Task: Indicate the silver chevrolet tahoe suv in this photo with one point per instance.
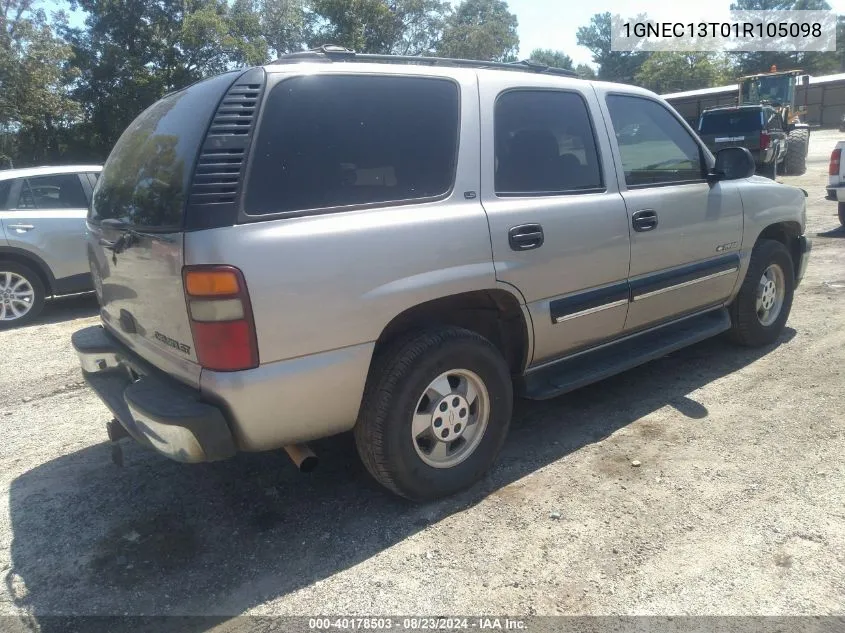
(396, 247)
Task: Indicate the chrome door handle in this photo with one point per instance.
(20, 227)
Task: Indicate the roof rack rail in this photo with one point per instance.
(333, 53)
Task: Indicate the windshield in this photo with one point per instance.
(731, 122)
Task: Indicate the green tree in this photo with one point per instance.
(812, 62)
(613, 65)
(131, 52)
(762, 5)
(480, 29)
(665, 72)
(585, 72)
(549, 57)
(402, 27)
(365, 26)
(36, 109)
(284, 25)
(422, 23)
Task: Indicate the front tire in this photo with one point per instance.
(761, 308)
(435, 413)
(21, 294)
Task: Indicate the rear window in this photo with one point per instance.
(146, 177)
(5, 188)
(544, 144)
(332, 141)
(731, 122)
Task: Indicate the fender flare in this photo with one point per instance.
(30, 259)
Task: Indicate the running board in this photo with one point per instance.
(572, 373)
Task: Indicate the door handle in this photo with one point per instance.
(644, 220)
(525, 237)
(20, 227)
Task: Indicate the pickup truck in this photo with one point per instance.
(836, 180)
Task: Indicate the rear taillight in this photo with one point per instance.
(765, 139)
(835, 158)
(221, 317)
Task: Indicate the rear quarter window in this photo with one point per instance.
(5, 189)
(334, 141)
(147, 175)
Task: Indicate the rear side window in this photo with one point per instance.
(655, 148)
(58, 191)
(146, 177)
(731, 122)
(331, 141)
(544, 144)
(5, 188)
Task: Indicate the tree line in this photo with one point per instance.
(67, 92)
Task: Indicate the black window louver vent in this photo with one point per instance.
(219, 170)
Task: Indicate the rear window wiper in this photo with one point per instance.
(126, 239)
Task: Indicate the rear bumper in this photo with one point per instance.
(154, 409)
(266, 408)
(836, 194)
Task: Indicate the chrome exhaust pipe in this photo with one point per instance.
(302, 456)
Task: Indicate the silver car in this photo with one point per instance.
(42, 237)
(340, 242)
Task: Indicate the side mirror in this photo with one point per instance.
(733, 163)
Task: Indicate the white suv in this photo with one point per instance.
(42, 237)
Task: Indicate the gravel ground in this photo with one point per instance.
(736, 506)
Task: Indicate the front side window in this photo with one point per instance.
(544, 144)
(332, 141)
(660, 151)
(58, 191)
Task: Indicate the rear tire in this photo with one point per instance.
(797, 147)
(842, 213)
(761, 308)
(21, 294)
(406, 413)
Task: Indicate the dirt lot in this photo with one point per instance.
(737, 507)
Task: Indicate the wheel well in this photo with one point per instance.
(786, 233)
(494, 314)
(33, 262)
